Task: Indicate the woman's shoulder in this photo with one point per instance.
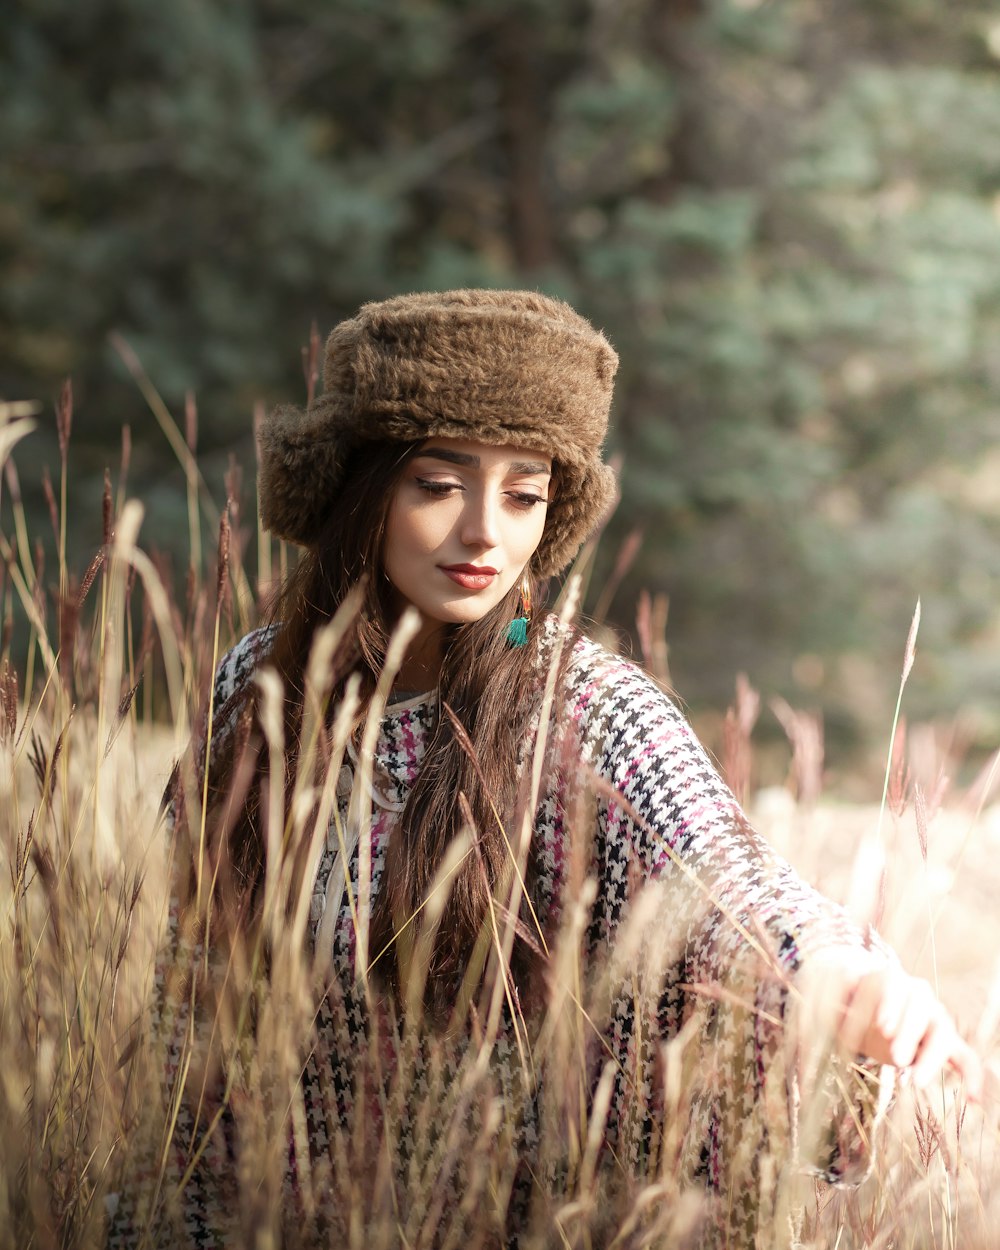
(603, 688)
(618, 719)
(237, 667)
(606, 673)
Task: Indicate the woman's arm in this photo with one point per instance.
(682, 823)
(749, 944)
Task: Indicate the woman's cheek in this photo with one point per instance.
(537, 531)
(422, 527)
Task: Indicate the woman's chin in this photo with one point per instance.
(466, 613)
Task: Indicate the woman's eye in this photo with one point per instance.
(522, 499)
(437, 488)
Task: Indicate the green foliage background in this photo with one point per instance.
(786, 216)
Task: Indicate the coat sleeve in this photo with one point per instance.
(707, 929)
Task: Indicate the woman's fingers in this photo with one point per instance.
(920, 1016)
(967, 1063)
(934, 1052)
(893, 1018)
(893, 991)
(862, 1003)
(942, 1048)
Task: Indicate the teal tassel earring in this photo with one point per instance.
(517, 630)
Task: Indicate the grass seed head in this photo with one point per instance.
(64, 416)
(50, 499)
(8, 702)
(190, 422)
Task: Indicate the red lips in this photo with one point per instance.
(470, 576)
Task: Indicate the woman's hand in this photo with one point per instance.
(881, 1012)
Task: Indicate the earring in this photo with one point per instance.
(517, 630)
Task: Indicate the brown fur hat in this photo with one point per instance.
(493, 366)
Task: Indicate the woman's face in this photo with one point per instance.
(463, 522)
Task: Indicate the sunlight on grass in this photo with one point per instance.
(128, 1058)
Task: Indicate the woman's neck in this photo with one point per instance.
(421, 666)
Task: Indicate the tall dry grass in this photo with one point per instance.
(105, 991)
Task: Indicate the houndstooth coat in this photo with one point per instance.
(686, 934)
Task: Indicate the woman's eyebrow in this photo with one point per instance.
(464, 458)
(452, 457)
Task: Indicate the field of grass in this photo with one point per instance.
(116, 676)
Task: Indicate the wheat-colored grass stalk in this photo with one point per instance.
(435, 1151)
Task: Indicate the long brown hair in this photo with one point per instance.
(491, 689)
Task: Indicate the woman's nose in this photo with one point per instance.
(480, 521)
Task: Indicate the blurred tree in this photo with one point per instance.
(785, 217)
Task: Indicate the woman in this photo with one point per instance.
(530, 785)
